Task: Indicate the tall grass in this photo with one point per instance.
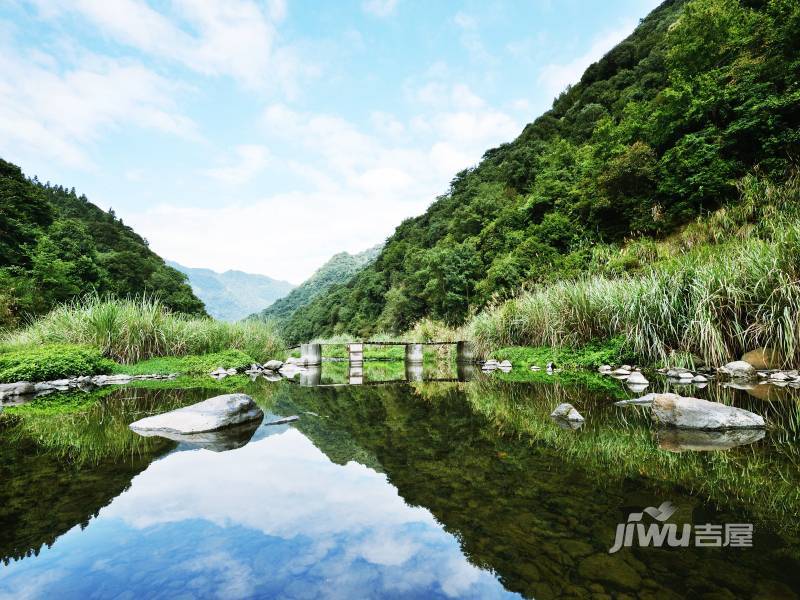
(132, 330)
(725, 288)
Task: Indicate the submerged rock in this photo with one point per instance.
(673, 410)
(738, 369)
(609, 569)
(698, 440)
(209, 415)
(284, 420)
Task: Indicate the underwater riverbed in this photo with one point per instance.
(419, 489)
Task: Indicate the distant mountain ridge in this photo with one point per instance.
(233, 295)
(337, 270)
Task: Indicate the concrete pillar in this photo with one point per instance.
(465, 353)
(355, 374)
(311, 354)
(356, 353)
(413, 371)
(311, 377)
(413, 354)
(465, 371)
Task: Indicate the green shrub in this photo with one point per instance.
(189, 365)
(52, 362)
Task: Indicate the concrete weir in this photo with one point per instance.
(311, 354)
(413, 354)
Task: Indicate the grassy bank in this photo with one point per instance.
(129, 331)
(726, 284)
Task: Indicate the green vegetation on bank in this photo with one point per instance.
(655, 134)
(589, 356)
(201, 364)
(722, 286)
(42, 363)
(56, 246)
(129, 331)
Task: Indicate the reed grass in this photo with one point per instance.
(132, 330)
(729, 283)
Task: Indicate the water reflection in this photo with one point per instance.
(273, 518)
(425, 489)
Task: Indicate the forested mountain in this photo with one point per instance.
(338, 270)
(56, 245)
(654, 134)
(233, 295)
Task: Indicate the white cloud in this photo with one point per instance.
(555, 77)
(236, 38)
(379, 8)
(354, 186)
(55, 114)
(250, 160)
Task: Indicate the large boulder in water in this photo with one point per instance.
(672, 410)
(696, 440)
(220, 440)
(212, 414)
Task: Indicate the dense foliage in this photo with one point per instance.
(338, 270)
(233, 295)
(43, 363)
(655, 133)
(56, 245)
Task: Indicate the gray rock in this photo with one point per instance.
(566, 412)
(698, 440)
(700, 379)
(209, 415)
(738, 369)
(604, 369)
(536, 368)
(672, 410)
(677, 372)
(505, 364)
(20, 388)
(621, 371)
(219, 371)
(646, 400)
(637, 378)
(779, 376)
(274, 365)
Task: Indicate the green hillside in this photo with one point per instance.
(338, 270)
(655, 134)
(56, 246)
(233, 295)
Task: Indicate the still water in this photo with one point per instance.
(407, 490)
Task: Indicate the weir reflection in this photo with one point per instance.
(381, 373)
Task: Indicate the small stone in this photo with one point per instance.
(273, 365)
(622, 371)
(536, 368)
(506, 364)
(605, 369)
(699, 379)
(779, 376)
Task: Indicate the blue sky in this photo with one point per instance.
(268, 135)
